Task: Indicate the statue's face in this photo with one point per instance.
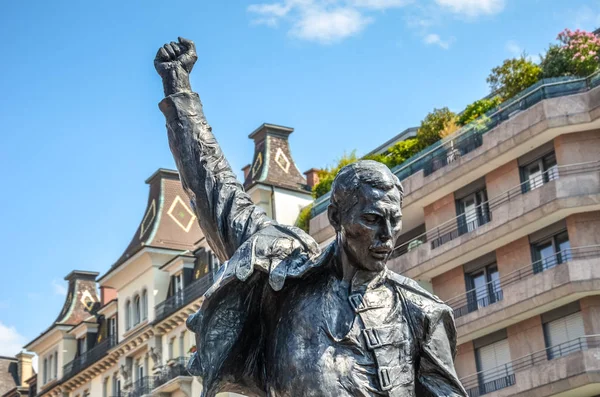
(370, 228)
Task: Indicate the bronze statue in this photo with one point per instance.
(283, 318)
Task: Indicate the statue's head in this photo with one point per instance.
(365, 211)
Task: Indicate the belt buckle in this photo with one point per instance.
(356, 301)
(384, 378)
(372, 338)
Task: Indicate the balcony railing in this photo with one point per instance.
(470, 136)
(172, 371)
(491, 292)
(481, 214)
(488, 381)
(89, 357)
(141, 387)
(182, 298)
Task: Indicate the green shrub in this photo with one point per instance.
(513, 76)
(478, 109)
(556, 63)
(432, 126)
(303, 220)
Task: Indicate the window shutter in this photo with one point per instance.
(566, 329)
(493, 356)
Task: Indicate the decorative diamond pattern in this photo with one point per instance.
(148, 219)
(181, 214)
(257, 163)
(282, 160)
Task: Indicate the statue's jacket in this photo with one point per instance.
(293, 327)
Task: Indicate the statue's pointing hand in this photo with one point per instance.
(278, 250)
(174, 62)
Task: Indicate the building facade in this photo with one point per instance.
(501, 222)
(504, 225)
(123, 333)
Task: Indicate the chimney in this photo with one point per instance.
(246, 170)
(25, 368)
(107, 294)
(312, 177)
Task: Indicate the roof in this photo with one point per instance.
(168, 221)
(272, 163)
(9, 374)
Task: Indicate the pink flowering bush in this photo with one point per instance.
(577, 54)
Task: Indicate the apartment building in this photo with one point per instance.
(123, 333)
(503, 223)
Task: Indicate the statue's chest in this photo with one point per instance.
(331, 342)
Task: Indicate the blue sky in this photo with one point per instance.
(81, 129)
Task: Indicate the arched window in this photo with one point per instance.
(144, 305)
(127, 314)
(136, 310)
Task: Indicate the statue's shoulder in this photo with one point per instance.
(414, 292)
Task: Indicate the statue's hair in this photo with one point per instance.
(350, 178)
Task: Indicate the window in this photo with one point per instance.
(105, 387)
(564, 335)
(140, 371)
(115, 385)
(136, 310)
(539, 172)
(178, 283)
(144, 305)
(127, 315)
(55, 365)
(494, 367)
(181, 345)
(473, 211)
(171, 343)
(112, 326)
(483, 287)
(45, 370)
(551, 251)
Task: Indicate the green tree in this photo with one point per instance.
(432, 125)
(478, 109)
(556, 63)
(327, 176)
(513, 76)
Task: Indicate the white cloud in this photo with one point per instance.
(473, 8)
(322, 21)
(59, 288)
(435, 39)
(329, 26)
(585, 17)
(11, 342)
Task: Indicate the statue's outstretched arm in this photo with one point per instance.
(227, 215)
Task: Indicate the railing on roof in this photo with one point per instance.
(491, 292)
(482, 213)
(171, 371)
(182, 298)
(89, 357)
(469, 137)
(494, 379)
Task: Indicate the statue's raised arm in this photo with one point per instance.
(226, 214)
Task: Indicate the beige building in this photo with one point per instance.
(130, 338)
(504, 225)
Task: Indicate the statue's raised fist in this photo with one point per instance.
(175, 55)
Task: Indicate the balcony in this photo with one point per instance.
(560, 113)
(173, 376)
(141, 387)
(88, 358)
(565, 367)
(528, 291)
(470, 137)
(527, 207)
(184, 297)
